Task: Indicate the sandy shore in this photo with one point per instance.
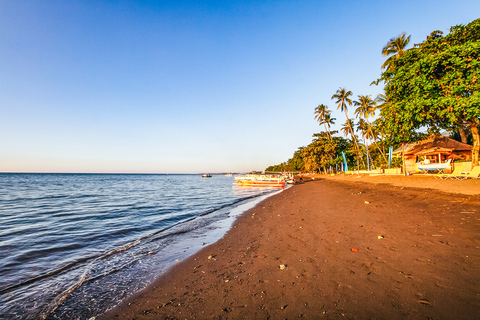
(334, 248)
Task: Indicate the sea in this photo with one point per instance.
(73, 246)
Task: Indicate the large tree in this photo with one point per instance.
(323, 151)
(436, 86)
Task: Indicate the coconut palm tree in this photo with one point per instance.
(329, 121)
(364, 128)
(321, 113)
(395, 48)
(381, 100)
(366, 108)
(347, 128)
(343, 100)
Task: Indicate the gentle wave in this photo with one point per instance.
(65, 238)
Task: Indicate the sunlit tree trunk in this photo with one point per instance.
(463, 133)
(476, 142)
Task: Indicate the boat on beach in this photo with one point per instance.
(260, 180)
(434, 166)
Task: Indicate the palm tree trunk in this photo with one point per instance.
(375, 140)
(327, 131)
(354, 141)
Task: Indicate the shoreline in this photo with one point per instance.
(370, 250)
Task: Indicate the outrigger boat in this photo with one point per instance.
(260, 180)
(434, 166)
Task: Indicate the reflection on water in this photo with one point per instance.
(73, 245)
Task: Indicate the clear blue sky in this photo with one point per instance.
(187, 86)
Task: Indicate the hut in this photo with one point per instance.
(436, 148)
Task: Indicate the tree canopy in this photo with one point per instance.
(435, 86)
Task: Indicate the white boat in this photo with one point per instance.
(260, 180)
(434, 166)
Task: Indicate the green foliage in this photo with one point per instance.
(323, 151)
(296, 162)
(395, 48)
(279, 167)
(435, 85)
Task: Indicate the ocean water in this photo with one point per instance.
(75, 245)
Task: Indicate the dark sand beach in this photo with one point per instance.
(343, 247)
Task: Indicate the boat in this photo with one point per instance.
(206, 175)
(434, 166)
(260, 180)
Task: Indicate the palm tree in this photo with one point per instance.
(364, 128)
(321, 113)
(395, 48)
(381, 100)
(342, 97)
(366, 108)
(329, 121)
(347, 128)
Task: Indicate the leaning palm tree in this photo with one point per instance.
(347, 130)
(329, 121)
(321, 113)
(366, 108)
(381, 101)
(395, 48)
(364, 128)
(343, 100)
(342, 97)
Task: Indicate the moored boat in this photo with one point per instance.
(258, 180)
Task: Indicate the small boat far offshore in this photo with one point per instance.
(259, 180)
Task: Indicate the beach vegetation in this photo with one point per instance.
(343, 101)
(432, 87)
(435, 86)
(394, 49)
(323, 116)
(366, 107)
(322, 154)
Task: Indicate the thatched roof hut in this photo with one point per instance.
(436, 148)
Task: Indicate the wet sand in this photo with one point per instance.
(334, 248)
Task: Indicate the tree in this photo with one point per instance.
(323, 151)
(343, 100)
(395, 49)
(366, 108)
(347, 128)
(321, 114)
(329, 121)
(296, 162)
(435, 86)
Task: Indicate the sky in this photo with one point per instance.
(99, 86)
